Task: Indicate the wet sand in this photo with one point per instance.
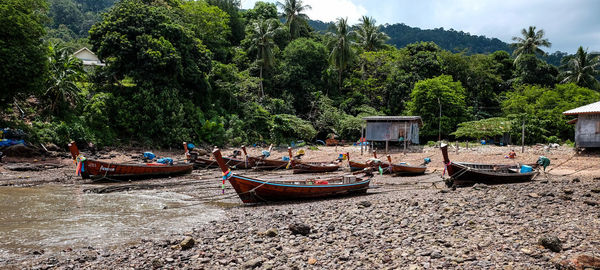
(404, 222)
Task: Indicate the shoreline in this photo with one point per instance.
(406, 223)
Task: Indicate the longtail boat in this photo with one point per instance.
(311, 167)
(90, 168)
(462, 173)
(254, 190)
(357, 166)
(198, 161)
(404, 169)
(262, 163)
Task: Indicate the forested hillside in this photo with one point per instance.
(208, 72)
(452, 40)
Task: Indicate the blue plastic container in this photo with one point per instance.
(526, 169)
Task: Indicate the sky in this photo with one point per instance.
(568, 24)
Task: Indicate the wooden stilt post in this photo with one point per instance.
(386, 146)
(405, 133)
(362, 135)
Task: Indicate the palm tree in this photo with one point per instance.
(581, 69)
(341, 44)
(262, 41)
(292, 10)
(65, 72)
(368, 35)
(530, 43)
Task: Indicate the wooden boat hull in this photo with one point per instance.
(403, 169)
(314, 168)
(467, 174)
(98, 169)
(357, 166)
(253, 190)
(238, 163)
(204, 163)
(269, 164)
(462, 173)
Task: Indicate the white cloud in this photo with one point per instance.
(568, 23)
(330, 10)
(325, 10)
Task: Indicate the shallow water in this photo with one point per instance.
(53, 218)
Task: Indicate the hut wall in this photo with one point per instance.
(392, 131)
(587, 132)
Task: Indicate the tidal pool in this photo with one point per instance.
(52, 218)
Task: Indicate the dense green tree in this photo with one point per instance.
(23, 57)
(66, 72)
(582, 69)
(530, 43)
(261, 11)
(425, 60)
(531, 70)
(264, 31)
(210, 24)
(378, 82)
(341, 48)
(148, 43)
(236, 22)
(96, 5)
(294, 16)
(287, 128)
(145, 42)
(66, 12)
(300, 71)
(429, 95)
(541, 109)
(368, 35)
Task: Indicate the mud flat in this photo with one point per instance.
(406, 223)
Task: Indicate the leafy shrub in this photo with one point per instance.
(288, 127)
(552, 139)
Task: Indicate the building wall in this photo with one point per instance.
(392, 131)
(587, 131)
(86, 55)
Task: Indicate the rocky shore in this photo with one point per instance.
(404, 223)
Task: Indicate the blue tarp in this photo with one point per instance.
(9, 142)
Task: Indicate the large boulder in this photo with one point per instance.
(21, 150)
(551, 242)
(299, 228)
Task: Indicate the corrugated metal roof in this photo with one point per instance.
(391, 118)
(587, 109)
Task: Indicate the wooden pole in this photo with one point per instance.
(386, 146)
(440, 122)
(405, 138)
(362, 135)
(467, 144)
(523, 137)
(457, 147)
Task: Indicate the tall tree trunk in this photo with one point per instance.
(262, 91)
(340, 80)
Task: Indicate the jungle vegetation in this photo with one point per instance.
(206, 71)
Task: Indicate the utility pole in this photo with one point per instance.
(440, 122)
(523, 137)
